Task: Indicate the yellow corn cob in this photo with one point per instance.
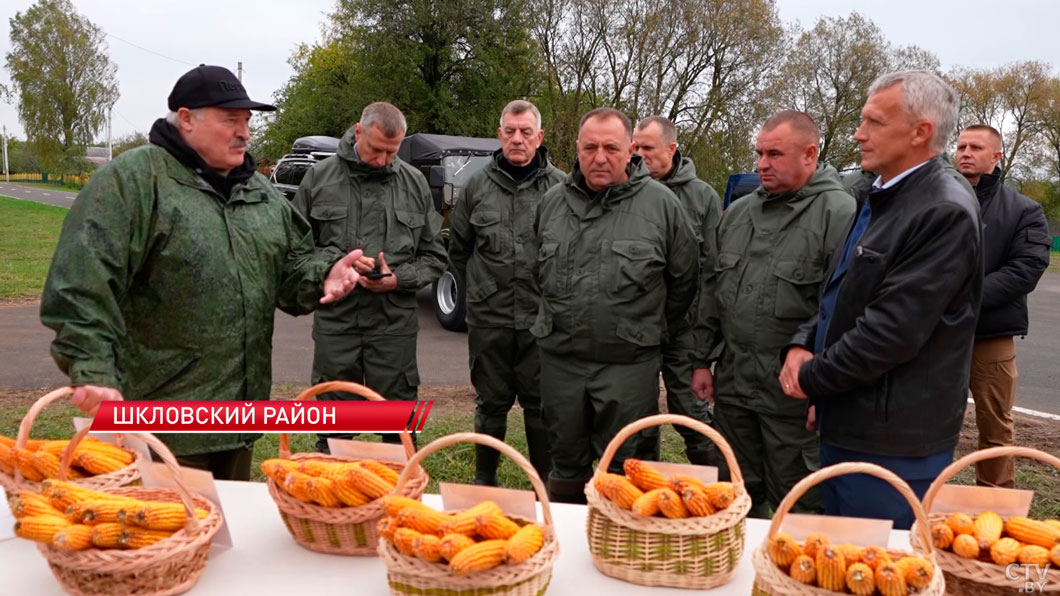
(478, 557)
(315, 467)
(7, 460)
(1032, 554)
(617, 489)
(783, 549)
(277, 469)
(803, 570)
(696, 501)
(965, 545)
(55, 448)
(348, 494)
(831, 569)
(675, 480)
(140, 537)
(941, 535)
(48, 465)
(296, 484)
(74, 537)
(25, 503)
(386, 526)
(1055, 523)
(107, 535)
(851, 553)
(525, 543)
(670, 504)
(465, 521)
(815, 542)
(393, 504)
(889, 580)
(99, 463)
(428, 547)
(162, 516)
(7, 441)
(422, 519)
(380, 469)
(1031, 531)
(322, 490)
(861, 580)
(643, 476)
(63, 494)
(368, 482)
(24, 463)
(404, 539)
(960, 523)
(454, 543)
(1003, 552)
(1054, 555)
(987, 528)
(495, 527)
(125, 458)
(41, 528)
(98, 512)
(874, 556)
(336, 471)
(647, 504)
(917, 571)
(721, 494)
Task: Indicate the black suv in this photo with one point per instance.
(291, 168)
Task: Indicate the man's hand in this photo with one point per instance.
(811, 419)
(383, 284)
(88, 397)
(342, 278)
(703, 384)
(789, 374)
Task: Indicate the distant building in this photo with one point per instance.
(96, 155)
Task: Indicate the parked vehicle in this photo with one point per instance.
(305, 152)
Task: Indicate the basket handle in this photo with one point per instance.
(982, 454)
(660, 419)
(488, 441)
(192, 524)
(31, 416)
(842, 469)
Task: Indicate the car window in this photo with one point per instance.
(291, 172)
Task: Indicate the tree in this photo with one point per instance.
(1050, 124)
(126, 142)
(63, 77)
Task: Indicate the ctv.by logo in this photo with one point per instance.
(1033, 576)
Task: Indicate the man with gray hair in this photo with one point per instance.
(493, 248)
(886, 360)
(365, 196)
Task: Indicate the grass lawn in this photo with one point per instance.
(27, 240)
(48, 186)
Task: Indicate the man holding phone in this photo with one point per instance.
(364, 196)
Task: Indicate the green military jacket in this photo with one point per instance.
(164, 289)
(773, 254)
(492, 243)
(615, 271)
(353, 205)
(703, 207)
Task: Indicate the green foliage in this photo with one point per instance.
(27, 242)
(130, 141)
(22, 158)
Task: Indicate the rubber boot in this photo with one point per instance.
(567, 491)
(537, 445)
(703, 456)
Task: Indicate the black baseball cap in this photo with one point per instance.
(215, 86)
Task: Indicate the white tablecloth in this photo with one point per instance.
(266, 560)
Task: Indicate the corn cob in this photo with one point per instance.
(98, 512)
(277, 469)
(368, 482)
(643, 476)
(1055, 523)
(386, 526)
(465, 521)
(428, 547)
(721, 494)
(41, 528)
(696, 501)
(1032, 554)
(107, 535)
(874, 556)
(831, 569)
(55, 448)
(296, 484)
(99, 463)
(814, 542)
(941, 535)
(647, 504)
(454, 543)
(322, 490)
(495, 527)
(63, 494)
(803, 570)
(965, 545)
(889, 580)
(1054, 555)
(960, 523)
(315, 467)
(670, 504)
(393, 504)
(73, 537)
(478, 557)
(422, 519)
(861, 580)
(162, 516)
(140, 537)
(345, 491)
(851, 553)
(1005, 551)
(380, 469)
(617, 489)
(31, 444)
(7, 441)
(48, 465)
(25, 503)
(24, 463)
(917, 571)
(987, 528)
(109, 451)
(404, 539)
(1030, 531)
(783, 550)
(524, 544)
(7, 460)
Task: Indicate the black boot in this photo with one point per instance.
(537, 445)
(703, 456)
(566, 491)
(486, 461)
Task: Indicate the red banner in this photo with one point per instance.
(261, 416)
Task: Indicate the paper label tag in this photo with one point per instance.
(707, 474)
(128, 441)
(1006, 502)
(840, 530)
(197, 481)
(367, 450)
(518, 503)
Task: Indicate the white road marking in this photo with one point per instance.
(1028, 412)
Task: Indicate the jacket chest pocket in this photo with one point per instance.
(549, 273)
(403, 235)
(635, 267)
(329, 224)
(728, 278)
(491, 237)
(798, 284)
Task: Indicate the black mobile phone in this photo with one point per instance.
(376, 274)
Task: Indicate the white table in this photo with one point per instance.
(266, 560)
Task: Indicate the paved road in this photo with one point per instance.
(59, 198)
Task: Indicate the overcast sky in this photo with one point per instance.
(173, 37)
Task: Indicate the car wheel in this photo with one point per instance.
(450, 305)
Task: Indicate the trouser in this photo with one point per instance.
(233, 464)
(860, 495)
(993, 382)
(505, 366)
(773, 452)
(384, 363)
(585, 404)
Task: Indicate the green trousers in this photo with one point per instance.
(384, 363)
(232, 464)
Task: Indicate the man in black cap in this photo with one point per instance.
(171, 264)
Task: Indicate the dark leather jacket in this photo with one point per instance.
(893, 376)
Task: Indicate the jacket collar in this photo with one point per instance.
(495, 171)
(194, 171)
(988, 185)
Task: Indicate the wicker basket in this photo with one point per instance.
(696, 552)
(771, 580)
(170, 566)
(128, 475)
(972, 576)
(412, 576)
(338, 530)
